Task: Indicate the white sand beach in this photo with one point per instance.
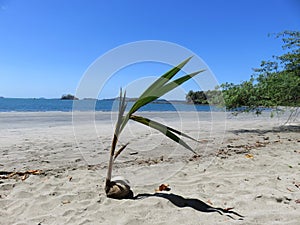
(248, 171)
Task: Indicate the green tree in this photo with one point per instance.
(197, 97)
(275, 83)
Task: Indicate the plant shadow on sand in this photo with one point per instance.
(194, 203)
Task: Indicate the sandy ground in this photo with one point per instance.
(248, 163)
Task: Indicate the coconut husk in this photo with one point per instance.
(118, 189)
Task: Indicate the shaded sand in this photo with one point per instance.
(253, 167)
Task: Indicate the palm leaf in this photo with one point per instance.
(134, 117)
(165, 78)
(120, 150)
(169, 132)
(122, 107)
(159, 88)
(153, 88)
(170, 86)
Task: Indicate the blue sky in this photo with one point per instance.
(46, 46)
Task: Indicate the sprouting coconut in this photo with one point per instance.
(119, 187)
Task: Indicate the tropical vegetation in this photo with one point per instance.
(274, 84)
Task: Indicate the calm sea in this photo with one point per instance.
(43, 105)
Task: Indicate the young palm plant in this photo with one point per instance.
(118, 187)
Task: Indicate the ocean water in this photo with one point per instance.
(44, 105)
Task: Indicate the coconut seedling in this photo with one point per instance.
(119, 187)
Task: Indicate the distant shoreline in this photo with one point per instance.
(94, 99)
(65, 105)
(159, 101)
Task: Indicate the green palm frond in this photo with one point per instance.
(168, 131)
(170, 86)
(159, 88)
(153, 89)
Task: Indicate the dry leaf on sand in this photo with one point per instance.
(249, 156)
(163, 187)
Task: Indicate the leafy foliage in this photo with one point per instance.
(275, 83)
(197, 97)
(212, 97)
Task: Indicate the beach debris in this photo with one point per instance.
(209, 202)
(240, 149)
(23, 175)
(152, 161)
(65, 202)
(297, 201)
(195, 157)
(70, 178)
(249, 156)
(297, 184)
(261, 144)
(258, 196)
(34, 172)
(228, 209)
(284, 199)
(203, 141)
(133, 153)
(163, 187)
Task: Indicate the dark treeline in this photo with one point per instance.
(68, 97)
(203, 97)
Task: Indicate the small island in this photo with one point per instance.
(68, 97)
